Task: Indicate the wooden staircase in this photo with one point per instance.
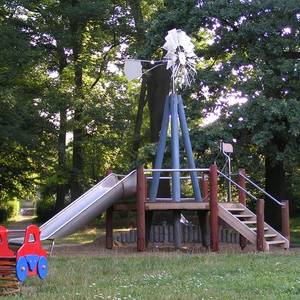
(243, 220)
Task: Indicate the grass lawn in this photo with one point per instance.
(169, 276)
(295, 230)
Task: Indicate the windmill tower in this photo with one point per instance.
(180, 58)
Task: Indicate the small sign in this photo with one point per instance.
(133, 69)
(227, 148)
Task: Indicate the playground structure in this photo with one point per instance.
(210, 211)
(180, 58)
(29, 260)
(109, 194)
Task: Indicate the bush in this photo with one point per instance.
(9, 209)
(3, 214)
(13, 208)
(45, 209)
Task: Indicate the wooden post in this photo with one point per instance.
(203, 216)
(109, 228)
(140, 208)
(109, 224)
(285, 219)
(204, 186)
(204, 227)
(214, 225)
(242, 183)
(242, 200)
(260, 225)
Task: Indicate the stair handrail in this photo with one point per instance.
(237, 185)
(260, 189)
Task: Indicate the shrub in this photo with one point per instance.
(3, 214)
(45, 209)
(9, 209)
(13, 208)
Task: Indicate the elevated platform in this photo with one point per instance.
(184, 204)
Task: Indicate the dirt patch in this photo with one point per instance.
(97, 248)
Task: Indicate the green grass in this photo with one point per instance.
(295, 231)
(172, 276)
(84, 236)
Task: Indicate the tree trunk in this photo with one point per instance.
(275, 186)
(61, 185)
(138, 122)
(77, 27)
(136, 11)
(158, 88)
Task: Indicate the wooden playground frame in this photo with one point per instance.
(207, 210)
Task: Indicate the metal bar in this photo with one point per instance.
(229, 175)
(249, 194)
(188, 149)
(170, 199)
(160, 149)
(175, 147)
(261, 190)
(52, 248)
(169, 177)
(176, 170)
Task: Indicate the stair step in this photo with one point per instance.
(270, 235)
(237, 209)
(276, 242)
(249, 222)
(243, 216)
(254, 228)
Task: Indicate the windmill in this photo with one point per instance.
(180, 58)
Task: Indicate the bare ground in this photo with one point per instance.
(97, 248)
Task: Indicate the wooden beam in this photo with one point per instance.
(109, 223)
(204, 186)
(176, 206)
(109, 228)
(204, 227)
(260, 216)
(242, 200)
(124, 206)
(285, 220)
(141, 197)
(214, 223)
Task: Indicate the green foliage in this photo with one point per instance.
(45, 209)
(9, 209)
(60, 71)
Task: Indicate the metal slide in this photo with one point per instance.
(88, 206)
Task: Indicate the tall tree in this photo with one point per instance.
(253, 52)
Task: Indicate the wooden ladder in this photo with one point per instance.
(243, 220)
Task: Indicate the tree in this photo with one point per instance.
(253, 52)
(22, 129)
(77, 39)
